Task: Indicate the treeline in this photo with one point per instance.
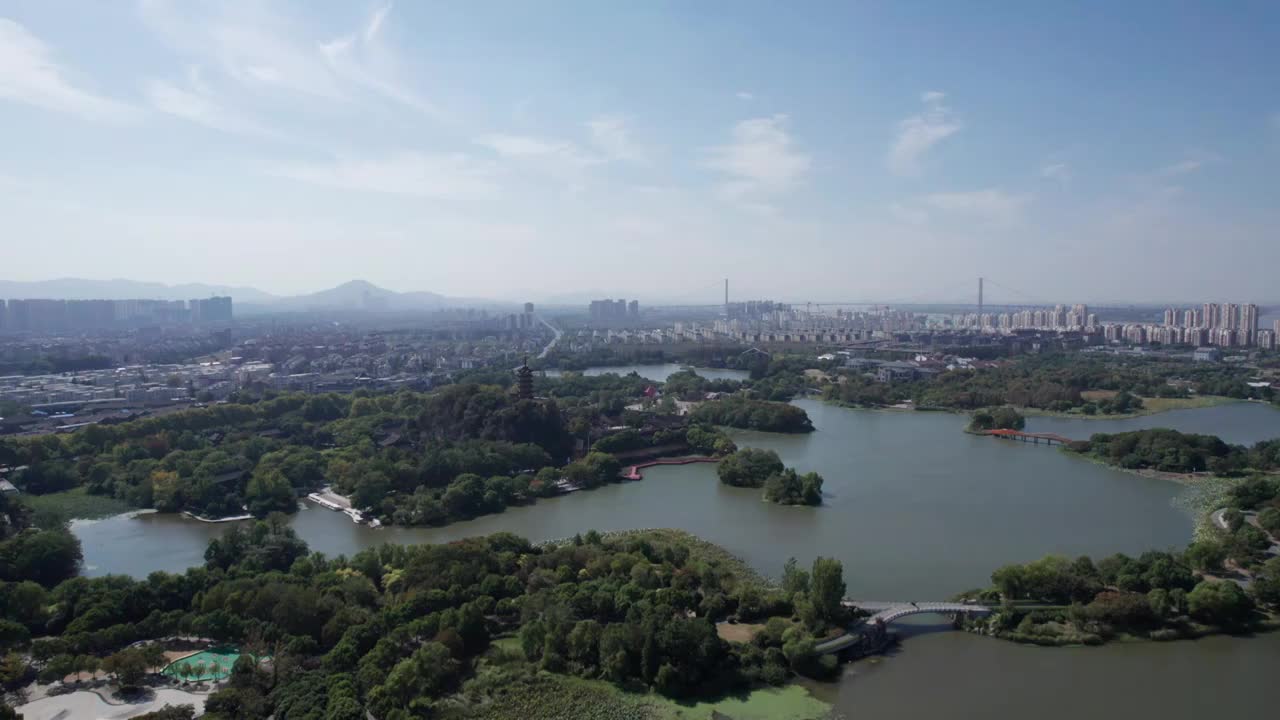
(1173, 451)
(755, 468)
(1157, 595)
(705, 439)
(748, 414)
(1054, 382)
(408, 631)
(400, 454)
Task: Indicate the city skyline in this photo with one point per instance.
(511, 151)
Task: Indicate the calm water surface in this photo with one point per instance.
(916, 510)
(1242, 423)
(954, 675)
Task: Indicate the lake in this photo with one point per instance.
(916, 510)
(1242, 423)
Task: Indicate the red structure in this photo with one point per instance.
(633, 472)
(1049, 438)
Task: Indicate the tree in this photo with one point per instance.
(269, 492)
(1219, 602)
(1206, 555)
(43, 556)
(1269, 520)
(788, 488)
(429, 671)
(828, 589)
(584, 643)
(794, 578)
(999, 418)
(749, 467)
(129, 666)
(1266, 584)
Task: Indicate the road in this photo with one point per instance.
(554, 340)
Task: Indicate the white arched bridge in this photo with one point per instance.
(883, 613)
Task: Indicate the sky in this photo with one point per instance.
(844, 151)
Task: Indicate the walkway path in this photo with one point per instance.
(1048, 438)
(633, 472)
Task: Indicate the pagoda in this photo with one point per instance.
(524, 381)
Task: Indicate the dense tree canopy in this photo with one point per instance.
(741, 412)
(1173, 451)
(407, 631)
(749, 467)
(1000, 418)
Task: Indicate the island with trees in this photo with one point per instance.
(998, 418)
(1172, 451)
(750, 414)
(756, 468)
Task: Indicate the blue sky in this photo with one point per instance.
(821, 151)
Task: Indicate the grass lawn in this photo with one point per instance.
(1150, 406)
(76, 505)
(1157, 405)
(740, 632)
(790, 702)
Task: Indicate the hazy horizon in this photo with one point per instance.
(509, 151)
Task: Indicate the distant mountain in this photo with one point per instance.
(354, 295)
(361, 295)
(80, 289)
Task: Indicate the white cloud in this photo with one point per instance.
(521, 145)
(611, 136)
(1182, 167)
(247, 41)
(29, 74)
(1056, 171)
(760, 158)
(920, 132)
(197, 103)
(744, 95)
(375, 22)
(267, 51)
(909, 214)
(368, 63)
(990, 205)
(442, 176)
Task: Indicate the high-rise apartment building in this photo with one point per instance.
(1212, 315)
(1249, 321)
(1231, 316)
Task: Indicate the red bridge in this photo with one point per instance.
(633, 472)
(1049, 438)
